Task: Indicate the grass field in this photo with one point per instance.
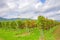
(20, 34)
(28, 34)
(53, 33)
(40, 29)
(56, 33)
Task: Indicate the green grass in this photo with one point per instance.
(10, 34)
(34, 34)
(49, 34)
(56, 33)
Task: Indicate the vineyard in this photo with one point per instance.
(27, 29)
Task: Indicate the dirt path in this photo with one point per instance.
(42, 35)
(57, 33)
(41, 38)
(22, 35)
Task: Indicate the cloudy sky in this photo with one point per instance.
(30, 9)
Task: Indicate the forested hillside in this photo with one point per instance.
(41, 22)
(28, 29)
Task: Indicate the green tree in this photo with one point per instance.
(40, 21)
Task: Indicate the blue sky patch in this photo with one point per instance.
(43, 1)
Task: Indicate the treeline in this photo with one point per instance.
(41, 22)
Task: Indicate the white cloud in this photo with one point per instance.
(50, 8)
(31, 8)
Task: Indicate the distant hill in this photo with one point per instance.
(5, 19)
(2, 19)
(58, 20)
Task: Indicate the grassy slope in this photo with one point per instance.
(34, 34)
(49, 35)
(53, 34)
(20, 34)
(56, 33)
